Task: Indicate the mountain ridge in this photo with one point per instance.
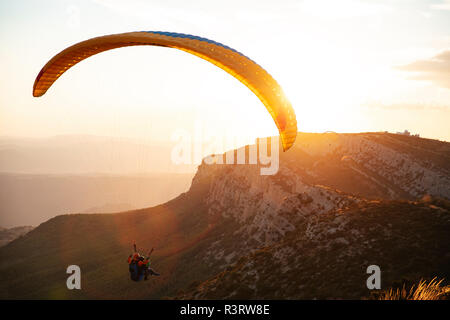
(332, 195)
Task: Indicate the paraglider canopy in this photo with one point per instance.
(235, 63)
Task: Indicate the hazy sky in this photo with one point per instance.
(346, 66)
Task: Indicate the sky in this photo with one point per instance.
(346, 66)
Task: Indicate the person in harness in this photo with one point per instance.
(139, 266)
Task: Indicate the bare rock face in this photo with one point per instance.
(317, 205)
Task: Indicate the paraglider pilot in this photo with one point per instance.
(139, 266)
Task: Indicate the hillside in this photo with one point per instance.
(328, 259)
(100, 244)
(338, 203)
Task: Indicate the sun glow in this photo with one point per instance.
(331, 61)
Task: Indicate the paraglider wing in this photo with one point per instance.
(235, 63)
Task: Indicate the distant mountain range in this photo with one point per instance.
(86, 154)
(50, 195)
(338, 203)
(80, 173)
(8, 235)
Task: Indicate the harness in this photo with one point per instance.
(136, 272)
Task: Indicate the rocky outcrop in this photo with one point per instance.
(331, 197)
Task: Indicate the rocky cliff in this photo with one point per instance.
(338, 203)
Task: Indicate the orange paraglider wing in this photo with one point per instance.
(235, 63)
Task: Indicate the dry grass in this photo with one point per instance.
(432, 290)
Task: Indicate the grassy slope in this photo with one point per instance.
(34, 265)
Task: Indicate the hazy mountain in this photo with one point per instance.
(83, 173)
(339, 203)
(85, 154)
(34, 198)
(8, 235)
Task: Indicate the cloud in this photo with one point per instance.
(435, 69)
(333, 9)
(407, 106)
(159, 13)
(445, 5)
